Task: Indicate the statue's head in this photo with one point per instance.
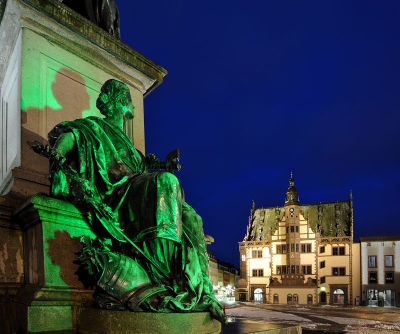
(114, 98)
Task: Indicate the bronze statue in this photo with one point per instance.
(150, 252)
(103, 13)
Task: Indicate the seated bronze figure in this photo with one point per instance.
(150, 252)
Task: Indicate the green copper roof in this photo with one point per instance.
(329, 219)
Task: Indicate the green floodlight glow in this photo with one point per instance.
(149, 242)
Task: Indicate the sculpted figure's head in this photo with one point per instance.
(115, 100)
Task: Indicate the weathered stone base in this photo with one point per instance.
(95, 321)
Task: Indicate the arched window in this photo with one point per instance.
(258, 295)
(276, 299)
(309, 299)
(289, 298)
(295, 298)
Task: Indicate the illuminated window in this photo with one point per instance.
(389, 277)
(388, 260)
(243, 257)
(371, 261)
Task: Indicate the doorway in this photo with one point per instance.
(338, 297)
(258, 295)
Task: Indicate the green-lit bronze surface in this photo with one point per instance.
(149, 253)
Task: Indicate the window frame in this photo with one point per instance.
(389, 256)
(369, 263)
(322, 264)
(371, 273)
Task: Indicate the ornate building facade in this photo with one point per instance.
(300, 254)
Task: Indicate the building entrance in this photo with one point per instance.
(322, 297)
(381, 298)
(258, 295)
(338, 296)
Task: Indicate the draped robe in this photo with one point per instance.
(149, 209)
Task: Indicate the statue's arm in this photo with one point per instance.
(64, 144)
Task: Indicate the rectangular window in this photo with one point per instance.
(254, 272)
(322, 264)
(253, 254)
(309, 268)
(297, 229)
(293, 269)
(341, 251)
(278, 249)
(388, 260)
(372, 277)
(297, 248)
(371, 261)
(322, 249)
(243, 257)
(260, 272)
(323, 280)
(292, 248)
(389, 277)
(278, 270)
(259, 253)
(287, 229)
(303, 248)
(297, 269)
(303, 269)
(283, 249)
(334, 251)
(339, 271)
(283, 270)
(292, 228)
(308, 248)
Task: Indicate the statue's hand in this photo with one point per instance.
(172, 164)
(152, 162)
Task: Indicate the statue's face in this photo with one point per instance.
(127, 107)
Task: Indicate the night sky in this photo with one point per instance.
(256, 89)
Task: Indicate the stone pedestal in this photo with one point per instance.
(92, 321)
(52, 293)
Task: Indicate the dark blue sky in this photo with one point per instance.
(256, 89)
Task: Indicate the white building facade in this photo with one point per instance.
(380, 271)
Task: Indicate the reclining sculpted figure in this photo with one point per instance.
(150, 252)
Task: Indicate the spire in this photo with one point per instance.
(292, 197)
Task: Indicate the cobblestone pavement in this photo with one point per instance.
(250, 318)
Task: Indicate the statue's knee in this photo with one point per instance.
(168, 178)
